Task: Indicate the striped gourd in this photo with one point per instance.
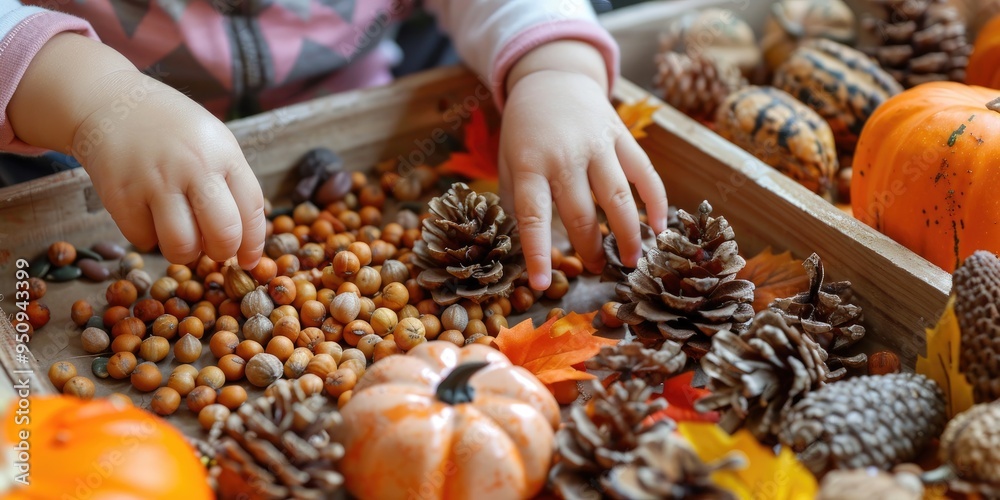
(782, 132)
(842, 84)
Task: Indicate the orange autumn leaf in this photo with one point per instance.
(680, 398)
(637, 115)
(551, 350)
(775, 276)
(482, 149)
(941, 363)
(766, 475)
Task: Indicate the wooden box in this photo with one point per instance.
(900, 292)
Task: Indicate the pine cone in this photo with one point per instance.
(601, 435)
(632, 360)
(755, 376)
(822, 314)
(869, 421)
(694, 84)
(666, 467)
(280, 446)
(685, 289)
(870, 483)
(976, 285)
(615, 270)
(919, 41)
(469, 249)
(970, 448)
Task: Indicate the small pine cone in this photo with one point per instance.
(469, 248)
(823, 314)
(280, 446)
(633, 360)
(755, 376)
(694, 84)
(870, 483)
(615, 270)
(603, 434)
(667, 467)
(869, 421)
(976, 286)
(919, 41)
(970, 450)
(685, 289)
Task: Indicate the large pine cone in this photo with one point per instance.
(685, 289)
(695, 85)
(666, 467)
(469, 249)
(976, 285)
(633, 360)
(823, 314)
(601, 435)
(970, 448)
(869, 421)
(755, 376)
(919, 41)
(280, 446)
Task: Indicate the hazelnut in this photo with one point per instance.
(81, 311)
(165, 401)
(345, 307)
(211, 414)
(256, 302)
(258, 328)
(383, 321)
(200, 397)
(60, 372)
(62, 253)
(78, 386)
(187, 349)
(212, 376)
(409, 333)
(263, 369)
(95, 340)
(232, 397)
(154, 349)
(455, 317)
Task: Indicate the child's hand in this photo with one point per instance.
(171, 173)
(561, 140)
(168, 171)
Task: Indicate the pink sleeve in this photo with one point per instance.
(492, 35)
(23, 32)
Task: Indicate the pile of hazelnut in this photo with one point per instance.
(335, 291)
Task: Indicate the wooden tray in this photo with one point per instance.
(900, 292)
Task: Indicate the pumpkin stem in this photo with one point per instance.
(994, 105)
(455, 388)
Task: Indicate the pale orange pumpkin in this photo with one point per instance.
(983, 69)
(96, 450)
(926, 171)
(448, 422)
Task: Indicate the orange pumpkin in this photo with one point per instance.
(983, 63)
(96, 450)
(448, 422)
(926, 170)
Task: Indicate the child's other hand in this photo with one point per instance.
(171, 173)
(561, 140)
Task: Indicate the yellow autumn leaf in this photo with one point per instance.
(942, 361)
(637, 115)
(775, 477)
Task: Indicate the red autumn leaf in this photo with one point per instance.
(776, 276)
(482, 148)
(551, 350)
(680, 397)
